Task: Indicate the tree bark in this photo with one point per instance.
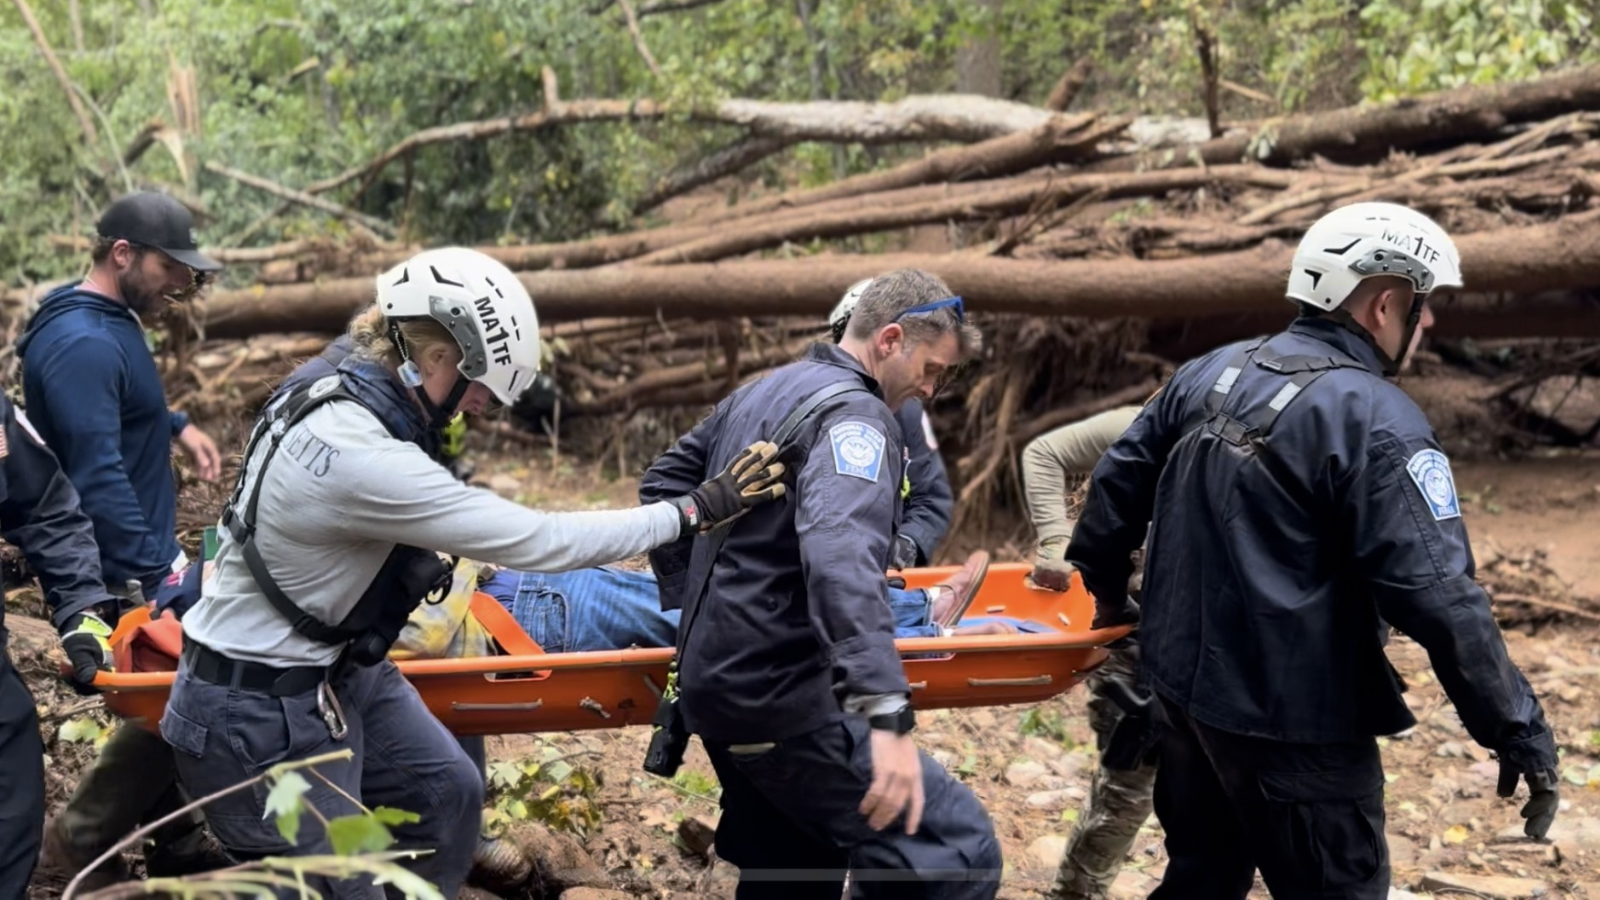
(1368, 133)
(1521, 260)
(1059, 139)
(1004, 199)
(934, 117)
(979, 68)
(735, 157)
(1070, 86)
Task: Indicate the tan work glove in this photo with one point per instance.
(753, 478)
(1051, 571)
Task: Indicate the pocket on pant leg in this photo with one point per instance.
(183, 733)
(1328, 824)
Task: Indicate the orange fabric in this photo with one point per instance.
(502, 627)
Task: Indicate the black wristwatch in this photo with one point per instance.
(898, 722)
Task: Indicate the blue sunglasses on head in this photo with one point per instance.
(935, 306)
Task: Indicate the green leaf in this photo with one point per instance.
(557, 771)
(359, 833)
(1577, 775)
(504, 775)
(81, 730)
(284, 801)
(388, 815)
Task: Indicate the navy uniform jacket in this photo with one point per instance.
(927, 510)
(796, 610)
(39, 515)
(1271, 568)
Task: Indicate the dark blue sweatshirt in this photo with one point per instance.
(92, 390)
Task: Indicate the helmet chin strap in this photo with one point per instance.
(1391, 365)
(439, 414)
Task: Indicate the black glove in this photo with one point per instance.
(1133, 741)
(904, 553)
(1110, 615)
(86, 638)
(1540, 810)
(753, 478)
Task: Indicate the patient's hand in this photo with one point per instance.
(987, 628)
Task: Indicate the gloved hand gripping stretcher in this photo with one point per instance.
(528, 690)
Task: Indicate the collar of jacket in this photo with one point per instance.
(380, 390)
(1340, 338)
(833, 355)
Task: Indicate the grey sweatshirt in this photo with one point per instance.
(341, 493)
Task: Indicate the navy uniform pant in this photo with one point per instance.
(791, 825)
(402, 758)
(21, 781)
(1309, 816)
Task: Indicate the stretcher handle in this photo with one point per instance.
(1035, 681)
(530, 706)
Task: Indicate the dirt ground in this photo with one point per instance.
(1534, 522)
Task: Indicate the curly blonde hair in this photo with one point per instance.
(370, 338)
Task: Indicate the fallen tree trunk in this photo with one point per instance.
(1548, 314)
(1524, 260)
(1003, 199)
(1368, 133)
(1060, 138)
(930, 117)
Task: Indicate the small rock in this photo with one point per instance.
(504, 485)
(1035, 747)
(1571, 694)
(697, 835)
(1402, 851)
(943, 757)
(1053, 800)
(589, 893)
(1542, 854)
(1498, 887)
(1131, 884)
(1046, 852)
(1070, 765)
(1478, 752)
(983, 720)
(1025, 774)
(1451, 749)
(1477, 860)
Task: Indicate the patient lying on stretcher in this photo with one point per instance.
(612, 608)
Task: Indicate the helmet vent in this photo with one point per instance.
(1316, 277)
(405, 275)
(1340, 251)
(441, 279)
(497, 292)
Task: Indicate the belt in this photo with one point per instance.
(209, 665)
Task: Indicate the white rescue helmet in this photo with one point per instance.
(840, 317)
(483, 306)
(1365, 240)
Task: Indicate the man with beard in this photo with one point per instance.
(93, 391)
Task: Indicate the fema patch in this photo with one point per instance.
(1430, 469)
(857, 450)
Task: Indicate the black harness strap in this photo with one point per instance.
(1248, 429)
(277, 423)
(786, 434)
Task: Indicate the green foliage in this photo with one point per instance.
(1414, 47)
(546, 789)
(82, 730)
(1045, 723)
(300, 90)
(286, 801)
(698, 783)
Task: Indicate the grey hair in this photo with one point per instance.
(893, 293)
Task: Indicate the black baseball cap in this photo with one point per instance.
(156, 220)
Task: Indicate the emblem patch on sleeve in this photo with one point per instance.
(857, 450)
(1430, 469)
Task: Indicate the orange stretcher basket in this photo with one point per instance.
(527, 690)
